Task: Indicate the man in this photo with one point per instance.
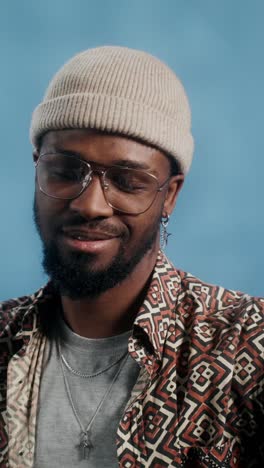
(122, 359)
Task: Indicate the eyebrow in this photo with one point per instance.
(131, 164)
(115, 162)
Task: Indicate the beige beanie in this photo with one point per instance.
(119, 90)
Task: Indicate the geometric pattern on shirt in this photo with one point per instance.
(208, 401)
(198, 400)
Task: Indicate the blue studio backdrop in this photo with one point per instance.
(216, 48)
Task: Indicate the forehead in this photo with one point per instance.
(104, 148)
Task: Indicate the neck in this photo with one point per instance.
(114, 311)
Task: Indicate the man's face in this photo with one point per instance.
(88, 246)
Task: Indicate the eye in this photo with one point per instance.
(58, 168)
(66, 174)
(127, 180)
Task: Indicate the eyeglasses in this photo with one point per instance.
(65, 177)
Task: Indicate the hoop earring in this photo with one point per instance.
(164, 234)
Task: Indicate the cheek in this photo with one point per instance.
(145, 224)
(48, 209)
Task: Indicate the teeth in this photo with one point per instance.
(87, 238)
(81, 238)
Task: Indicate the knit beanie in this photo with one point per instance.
(119, 90)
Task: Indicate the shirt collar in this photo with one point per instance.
(158, 309)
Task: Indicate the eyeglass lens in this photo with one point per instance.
(65, 177)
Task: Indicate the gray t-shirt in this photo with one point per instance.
(58, 431)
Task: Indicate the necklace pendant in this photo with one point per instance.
(85, 446)
(85, 452)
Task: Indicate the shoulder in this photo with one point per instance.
(231, 321)
(212, 302)
(211, 299)
(13, 312)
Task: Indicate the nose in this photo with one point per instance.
(92, 202)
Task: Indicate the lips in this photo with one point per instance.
(91, 234)
(88, 240)
(86, 235)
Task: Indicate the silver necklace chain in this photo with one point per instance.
(89, 376)
(85, 443)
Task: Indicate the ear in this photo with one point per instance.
(35, 155)
(173, 190)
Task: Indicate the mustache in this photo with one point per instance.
(102, 225)
(76, 221)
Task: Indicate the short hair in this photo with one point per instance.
(175, 167)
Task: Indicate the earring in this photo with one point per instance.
(164, 234)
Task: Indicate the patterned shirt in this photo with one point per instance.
(198, 401)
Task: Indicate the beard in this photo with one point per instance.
(73, 276)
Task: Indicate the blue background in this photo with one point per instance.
(216, 47)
